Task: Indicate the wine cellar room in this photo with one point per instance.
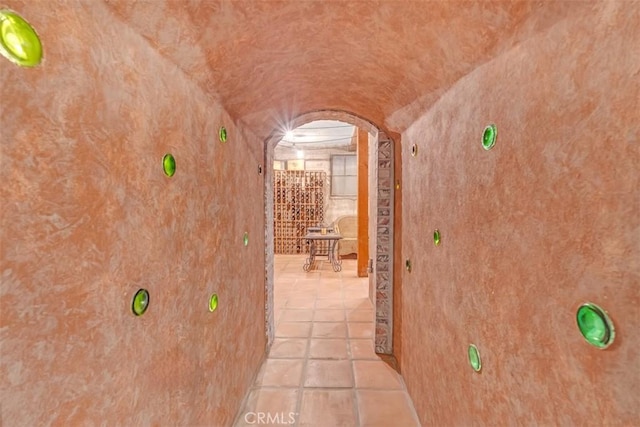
(316, 185)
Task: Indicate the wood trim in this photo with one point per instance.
(363, 202)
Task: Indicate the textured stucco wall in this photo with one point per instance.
(88, 217)
(545, 221)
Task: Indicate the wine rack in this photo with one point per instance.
(298, 203)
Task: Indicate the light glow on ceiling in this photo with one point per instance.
(325, 133)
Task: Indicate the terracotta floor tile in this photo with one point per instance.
(288, 277)
(301, 303)
(301, 296)
(329, 294)
(359, 284)
(305, 288)
(322, 408)
(362, 349)
(375, 374)
(314, 313)
(328, 348)
(293, 329)
(277, 402)
(329, 287)
(330, 303)
(329, 279)
(357, 303)
(288, 348)
(328, 373)
(300, 315)
(329, 315)
(329, 330)
(360, 330)
(356, 284)
(306, 283)
(281, 292)
(272, 399)
(385, 409)
(360, 301)
(281, 373)
(360, 316)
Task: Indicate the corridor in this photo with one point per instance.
(138, 144)
(322, 370)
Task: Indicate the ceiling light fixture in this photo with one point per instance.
(345, 140)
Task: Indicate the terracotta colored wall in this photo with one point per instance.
(88, 217)
(545, 221)
(398, 259)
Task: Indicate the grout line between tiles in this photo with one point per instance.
(303, 376)
(354, 391)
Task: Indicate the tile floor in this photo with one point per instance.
(322, 370)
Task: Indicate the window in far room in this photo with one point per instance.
(344, 175)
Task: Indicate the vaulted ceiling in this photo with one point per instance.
(386, 61)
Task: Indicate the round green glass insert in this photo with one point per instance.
(595, 326)
(245, 239)
(19, 42)
(223, 134)
(474, 358)
(169, 164)
(140, 302)
(407, 265)
(414, 150)
(213, 303)
(489, 137)
(436, 237)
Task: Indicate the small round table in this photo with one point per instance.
(332, 238)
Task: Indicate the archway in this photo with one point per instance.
(381, 208)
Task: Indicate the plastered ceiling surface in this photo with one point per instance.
(386, 61)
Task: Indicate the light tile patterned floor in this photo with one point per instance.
(322, 370)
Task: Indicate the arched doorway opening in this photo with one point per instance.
(381, 220)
